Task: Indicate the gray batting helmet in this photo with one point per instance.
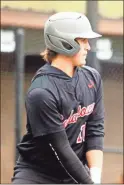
(61, 30)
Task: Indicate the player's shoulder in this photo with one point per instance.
(91, 71)
(40, 82)
(41, 88)
(38, 95)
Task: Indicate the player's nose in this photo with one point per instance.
(88, 46)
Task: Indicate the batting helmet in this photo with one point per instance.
(61, 30)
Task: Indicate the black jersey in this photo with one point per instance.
(62, 103)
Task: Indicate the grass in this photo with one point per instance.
(110, 9)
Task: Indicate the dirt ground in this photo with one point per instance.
(113, 96)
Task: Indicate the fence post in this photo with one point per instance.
(92, 14)
(19, 81)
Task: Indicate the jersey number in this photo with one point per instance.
(81, 136)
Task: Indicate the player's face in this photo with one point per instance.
(79, 59)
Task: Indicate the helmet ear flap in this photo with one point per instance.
(59, 43)
(66, 45)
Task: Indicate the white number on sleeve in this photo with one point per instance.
(81, 136)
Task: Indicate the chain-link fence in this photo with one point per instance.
(112, 75)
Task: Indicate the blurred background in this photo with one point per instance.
(22, 24)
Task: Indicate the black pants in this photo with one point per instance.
(30, 176)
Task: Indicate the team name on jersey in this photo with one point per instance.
(84, 111)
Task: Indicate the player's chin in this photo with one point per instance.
(82, 63)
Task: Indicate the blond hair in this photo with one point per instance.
(48, 55)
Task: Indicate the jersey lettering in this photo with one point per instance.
(84, 111)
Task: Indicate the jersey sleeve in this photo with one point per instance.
(42, 112)
(95, 123)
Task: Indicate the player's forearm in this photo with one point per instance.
(94, 158)
(67, 157)
(95, 162)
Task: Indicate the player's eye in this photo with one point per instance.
(84, 40)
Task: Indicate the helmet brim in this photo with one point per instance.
(89, 35)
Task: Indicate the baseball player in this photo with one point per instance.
(65, 112)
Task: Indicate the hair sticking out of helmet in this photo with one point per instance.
(48, 55)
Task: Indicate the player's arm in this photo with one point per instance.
(95, 161)
(60, 145)
(46, 122)
(95, 136)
